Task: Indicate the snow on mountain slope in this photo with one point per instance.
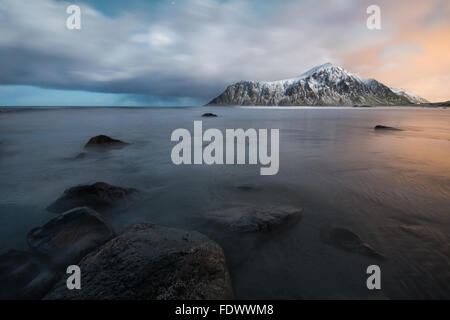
(326, 84)
(409, 95)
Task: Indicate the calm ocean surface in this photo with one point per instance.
(391, 188)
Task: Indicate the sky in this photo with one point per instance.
(186, 52)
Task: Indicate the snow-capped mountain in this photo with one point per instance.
(321, 86)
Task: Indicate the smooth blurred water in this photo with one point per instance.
(392, 188)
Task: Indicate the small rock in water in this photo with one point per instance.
(24, 276)
(254, 219)
(149, 262)
(67, 238)
(381, 127)
(99, 196)
(208, 114)
(347, 240)
(103, 142)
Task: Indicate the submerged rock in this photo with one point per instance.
(208, 114)
(24, 276)
(103, 141)
(67, 238)
(254, 219)
(347, 240)
(381, 127)
(152, 262)
(248, 187)
(99, 196)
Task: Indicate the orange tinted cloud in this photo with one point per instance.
(416, 58)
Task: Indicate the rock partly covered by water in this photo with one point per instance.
(254, 219)
(60, 242)
(99, 196)
(67, 238)
(208, 114)
(248, 187)
(24, 276)
(103, 142)
(152, 262)
(381, 127)
(347, 240)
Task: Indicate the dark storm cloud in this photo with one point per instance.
(191, 48)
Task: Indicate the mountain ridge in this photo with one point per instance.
(323, 85)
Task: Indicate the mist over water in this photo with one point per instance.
(392, 188)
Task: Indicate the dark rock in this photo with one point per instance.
(254, 219)
(24, 276)
(67, 238)
(99, 196)
(248, 187)
(103, 141)
(152, 262)
(381, 127)
(347, 240)
(208, 114)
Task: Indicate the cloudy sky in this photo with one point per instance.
(185, 52)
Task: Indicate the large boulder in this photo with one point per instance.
(99, 196)
(152, 262)
(254, 219)
(24, 276)
(347, 240)
(67, 238)
(104, 142)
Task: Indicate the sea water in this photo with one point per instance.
(392, 188)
